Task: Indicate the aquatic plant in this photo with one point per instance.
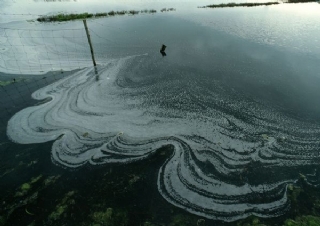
(133, 12)
(111, 13)
(123, 12)
(5, 83)
(250, 221)
(101, 14)
(251, 4)
(233, 4)
(67, 17)
(110, 217)
(167, 9)
(26, 187)
(301, 1)
(8, 82)
(62, 206)
(306, 220)
(148, 11)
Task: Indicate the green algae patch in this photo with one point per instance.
(110, 217)
(51, 180)
(25, 187)
(134, 179)
(62, 206)
(182, 220)
(303, 221)
(35, 179)
(86, 134)
(8, 82)
(5, 83)
(250, 221)
(2, 221)
(147, 223)
(293, 193)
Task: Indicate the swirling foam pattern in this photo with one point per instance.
(232, 157)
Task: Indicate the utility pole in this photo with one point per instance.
(89, 40)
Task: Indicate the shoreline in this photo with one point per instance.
(81, 16)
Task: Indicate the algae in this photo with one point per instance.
(35, 179)
(85, 134)
(307, 220)
(25, 187)
(147, 223)
(110, 217)
(2, 221)
(201, 222)
(5, 83)
(293, 192)
(51, 180)
(62, 206)
(8, 82)
(134, 179)
(181, 220)
(250, 221)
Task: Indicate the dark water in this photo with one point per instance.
(237, 123)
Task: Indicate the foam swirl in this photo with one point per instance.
(229, 151)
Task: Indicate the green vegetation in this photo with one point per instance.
(303, 221)
(252, 4)
(110, 217)
(8, 82)
(250, 221)
(67, 17)
(62, 206)
(182, 220)
(232, 4)
(25, 187)
(300, 1)
(5, 83)
(167, 9)
(133, 12)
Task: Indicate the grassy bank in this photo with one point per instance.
(232, 4)
(81, 16)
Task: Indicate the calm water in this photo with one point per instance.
(234, 105)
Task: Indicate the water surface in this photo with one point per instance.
(234, 98)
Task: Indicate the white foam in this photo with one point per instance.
(93, 119)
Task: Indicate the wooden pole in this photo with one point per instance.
(89, 40)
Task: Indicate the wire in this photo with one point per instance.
(25, 29)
